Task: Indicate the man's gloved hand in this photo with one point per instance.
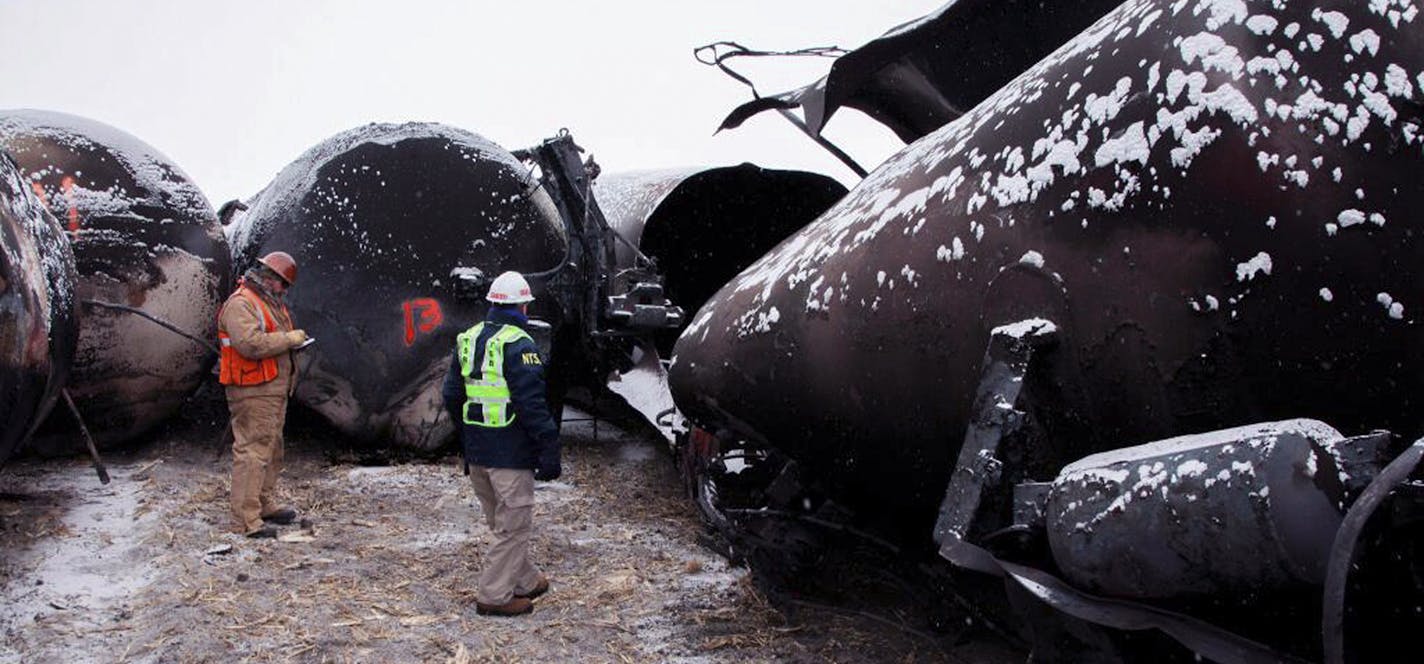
(296, 337)
(548, 471)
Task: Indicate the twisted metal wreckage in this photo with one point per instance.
(1005, 342)
(1141, 223)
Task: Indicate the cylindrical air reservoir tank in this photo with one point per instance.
(1219, 514)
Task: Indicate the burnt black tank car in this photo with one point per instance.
(38, 329)
(144, 238)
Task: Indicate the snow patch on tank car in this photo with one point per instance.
(1131, 145)
(1336, 22)
(1258, 264)
(1032, 327)
(1262, 24)
(758, 322)
(1393, 308)
(1221, 12)
(1365, 40)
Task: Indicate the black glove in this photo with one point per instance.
(548, 471)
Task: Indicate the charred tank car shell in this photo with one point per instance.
(1214, 202)
(144, 237)
(376, 218)
(37, 318)
(704, 225)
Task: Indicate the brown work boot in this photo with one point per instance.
(282, 517)
(540, 587)
(265, 532)
(516, 606)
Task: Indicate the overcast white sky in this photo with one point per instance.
(234, 91)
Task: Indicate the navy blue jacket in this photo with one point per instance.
(532, 440)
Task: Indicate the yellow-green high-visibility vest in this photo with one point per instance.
(485, 386)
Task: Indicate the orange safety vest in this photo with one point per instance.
(233, 368)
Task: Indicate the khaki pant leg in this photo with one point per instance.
(253, 435)
(526, 576)
(484, 491)
(507, 568)
(268, 496)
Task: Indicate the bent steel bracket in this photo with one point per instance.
(995, 416)
(608, 302)
(1342, 554)
(1203, 638)
(582, 279)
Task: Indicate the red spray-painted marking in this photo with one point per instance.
(421, 315)
(67, 184)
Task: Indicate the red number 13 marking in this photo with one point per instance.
(421, 315)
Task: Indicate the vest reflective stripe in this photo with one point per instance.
(486, 388)
(233, 368)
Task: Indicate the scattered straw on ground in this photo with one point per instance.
(383, 567)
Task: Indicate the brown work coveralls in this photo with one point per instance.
(258, 411)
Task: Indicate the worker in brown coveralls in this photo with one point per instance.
(257, 336)
(495, 393)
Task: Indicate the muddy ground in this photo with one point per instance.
(143, 569)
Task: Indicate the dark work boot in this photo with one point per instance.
(541, 587)
(281, 517)
(516, 606)
(265, 532)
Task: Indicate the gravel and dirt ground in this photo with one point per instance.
(143, 569)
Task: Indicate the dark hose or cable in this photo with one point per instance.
(718, 52)
(1342, 551)
(165, 324)
(98, 461)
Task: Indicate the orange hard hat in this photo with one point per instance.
(283, 264)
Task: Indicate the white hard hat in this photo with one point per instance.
(510, 288)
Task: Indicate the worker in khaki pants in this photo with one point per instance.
(257, 336)
(495, 393)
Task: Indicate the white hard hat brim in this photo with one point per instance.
(510, 300)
